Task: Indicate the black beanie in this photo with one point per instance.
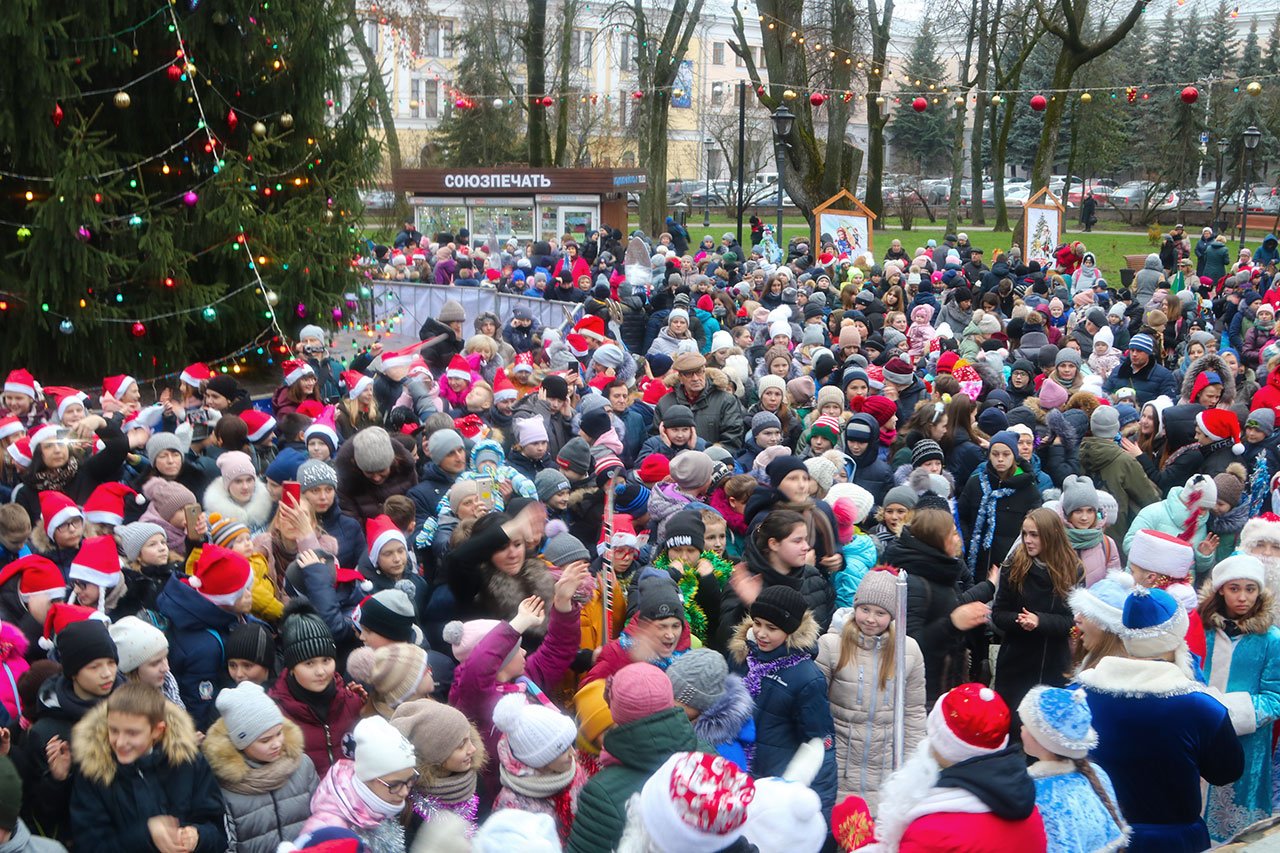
(224, 385)
(684, 528)
(305, 635)
(656, 597)
(381, 619)
(781, 605)
(596, 423)
(252, 641)
(778, 469)
(81, 643)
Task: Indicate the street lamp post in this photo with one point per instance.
(1223, 145)
(1252, 136)
(710, 145)
(783, 120)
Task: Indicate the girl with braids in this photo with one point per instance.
(1074, 796)
(1031, 607)
(1242, 664)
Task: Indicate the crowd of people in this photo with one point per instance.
(635, 582)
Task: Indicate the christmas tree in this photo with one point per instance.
(179, 181)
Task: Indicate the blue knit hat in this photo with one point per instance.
(1154, 623)
(1143, 343)
(1008, 438)
(1060, 720)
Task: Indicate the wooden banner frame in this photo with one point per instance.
(1046, 201)
(846, 205)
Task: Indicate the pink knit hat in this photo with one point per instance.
(464, 636)
(233, 464)
(638, 690)
(1052, 395)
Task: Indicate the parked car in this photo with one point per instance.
(1134, 195)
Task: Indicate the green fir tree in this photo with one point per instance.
(475, 132)
(922, 140)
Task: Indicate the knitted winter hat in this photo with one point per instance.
(1155, 623)
(528, 431)
(1262, 419)
(82, 638)
(224, 530)
(636, 691)
(251, 641)
(1240, 567)
(536, 734)
(513, 829)
(434, 728)
(1078, 492)
(380, 749)
(233, 464)
(898, 371)
(550, 482)
(655, 597)
(1103, 603)
(398, 669)
(654, 469)
(691, 469)
(881, 408)
(828, 428)
(463, 636)
(1200, 492)
(1103, 423)
(167, 496)
(248, 712)
(220, 575)
(698, 678)
(1230, 485)
(1054, 396)
(1060, 720)
(926, 450)
(313, 474)
(781, 605)
(137, 642)
(685, 528)
(677, 416)
(372, 450)
(902, 495)
(592, 711)
(823, 471)
(1162, 553)
(388, 613)
(968, 721)
(694, 803)
(304, 635)
(563, 549)
(762, 421)
(879, 587)
(575, 456)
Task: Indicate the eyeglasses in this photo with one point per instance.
(403, 787)
(693, 374)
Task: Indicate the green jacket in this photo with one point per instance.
(640, 748)
(1122, 476)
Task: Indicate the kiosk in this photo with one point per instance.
(527, 204)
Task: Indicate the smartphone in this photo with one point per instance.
(192, 513)
(292, 491)
(484, 487)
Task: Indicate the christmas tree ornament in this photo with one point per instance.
(300, 309)
(997, 100)
(1190, 95)
(233, 120)
(56, 115)
(365, 292)
(919, 105)
(1038, 103)
(1131, 94)
(879, 100)
(189, 198)
(259, 129)
(66, 327)
(1254, 88)
(210, 314)
(789, 95)
(138, 329)
(24, 233)
(677, 93)
(959, 101)
(817, 99)
(638, 95)
(83, 234)
(327, 216)
(174, 72)
(1086, 98)
(273, 298)
(337, 314)
(286, 120)
(135, 221)
(122, 100)
(496, 103)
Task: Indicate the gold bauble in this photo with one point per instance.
(1086, 98)
(286, 120)
(1254, 88)
(259, 129)
(122, 100)
(789, 95)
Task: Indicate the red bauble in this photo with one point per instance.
(56, 115)
(232, 120)
(919, 105)
(638, 95)
(1190, 95)
(547, 100)
(1038, 103)
(138, 329)
(174, 72)
(817, 99)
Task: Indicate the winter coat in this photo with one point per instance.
(95, 469)
(1269, 394)
(729, 725)
(1121, 476)
(432, 485)
(809, 580)
(522, 787)
(907, 399)
(863, 713)
(1217, 257)
(633, 323)
(860, 554)
(932, 578)
(267, 603)
(256, 514)
(13, 663)
(111, 803)
(322, 739)
(1170, 516)
(1246, 670)
(522, 339)
(559, 428)
(198, 630)
(1075, 819)
(1147, 384)
(348, 533)
(1039, 656)
(717, 414)
(1148, 279)
(1255, 341)
(336, 803)
(263, 809)
(964, 457)
(1159, 733)
(637, 749)
(22, 841)
(791, 704)
(1009, 513)
(361, 498)
(438, 354)
(870, 471)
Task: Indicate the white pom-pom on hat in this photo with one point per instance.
(452, 632)
(986, 694)
(194, 582)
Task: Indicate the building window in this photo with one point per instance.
(580, 48)
(446, 38)
(717, 53)
(415, 98)
(431, 40)
(738, 61)
(431, 103)
(371, 35)
(629, 53)
(717, 93)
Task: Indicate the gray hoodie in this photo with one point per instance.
(22, 841)
(1147, 280)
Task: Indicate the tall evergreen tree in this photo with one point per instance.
(1271, 62)
(1251, 54)
(1219, 41)
(922, 139)
(161, 155)
(475, 133)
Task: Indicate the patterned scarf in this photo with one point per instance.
(56, 479)
(758, 670)
(984, 527)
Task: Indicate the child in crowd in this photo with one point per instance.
(251, 654)
(716, 702)
(893, 516)
(851, 504)
(143, 652)
(699, 573)
(149, 564)
(1081, 509)
(537, 761)
(234, 536)
(450, 756)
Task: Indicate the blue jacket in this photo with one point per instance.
(198, 630)
(1148, 383)
(791, 707)
(347, 531)
(860, 555)
(869, 470)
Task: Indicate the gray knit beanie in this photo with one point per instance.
(902, 495)
(161, 442)
(563, 549)
(372, 450)
(133, 536)
(880, 588)
(248, 712)
(442, 443)
(698, 678)
(314, 473)
(550, 482)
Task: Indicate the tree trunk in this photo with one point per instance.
(1046, 152)
(977, 213)
(875, 155)
(1071, 155)
(535, 53)
(564, 103)
(999, 150)
(957, 170)
(653, 153)
(377, 87)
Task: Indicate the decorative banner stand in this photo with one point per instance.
(848, 222)
(1042, 226)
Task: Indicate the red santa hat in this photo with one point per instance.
(578, 344)
(221, 575)
(502, 387)
(56, 509)
(470, 426)
(1162, 553)
(381, 531)
(459, 368)
(968, 721)
(591, 327)
(117, 386)
(294, 369)
(20, 452)
(196, 374)
(64, 398)
(43, 433)
(397, 358)
(37, 576)
(624, 535)
(60, 616)
(20, 381)
(97, 562)
(654, 391)
(106, 504)
(695, 802)
(356, 383)
(324, 427)
(524, 363)
(1219, 424)
(10, 426)
(260, 424)
(310, 408)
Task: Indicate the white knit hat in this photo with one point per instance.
(137, 642)
(537, 735)
(513, 829)
(380, 749)
(247, 711)
(1241, 567)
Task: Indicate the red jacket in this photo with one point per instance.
(321, 741)
(1269, 394)
(973, 833)
(1067, 260)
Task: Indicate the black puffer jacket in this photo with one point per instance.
(438, 354)
(1009, 513)
(932, 578)
(634, 320)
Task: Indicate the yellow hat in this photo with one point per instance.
(593, 715)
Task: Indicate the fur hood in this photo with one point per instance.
(716, 377)
(920, 480)
(725, 718)
(13, 643)
(229, 764)
(1256, 623)
(505, 592)
(803, 639)
(91, 748)
(1137, 679)
(1200, 365)
(256, 514)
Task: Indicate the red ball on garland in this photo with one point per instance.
(56, 115)
(1190, 95)
(638, 95)
(233, 120)
(138, 329)
(547, 100)
(1038, 103)
(174, 72)
(919, 105)
(817, 99)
